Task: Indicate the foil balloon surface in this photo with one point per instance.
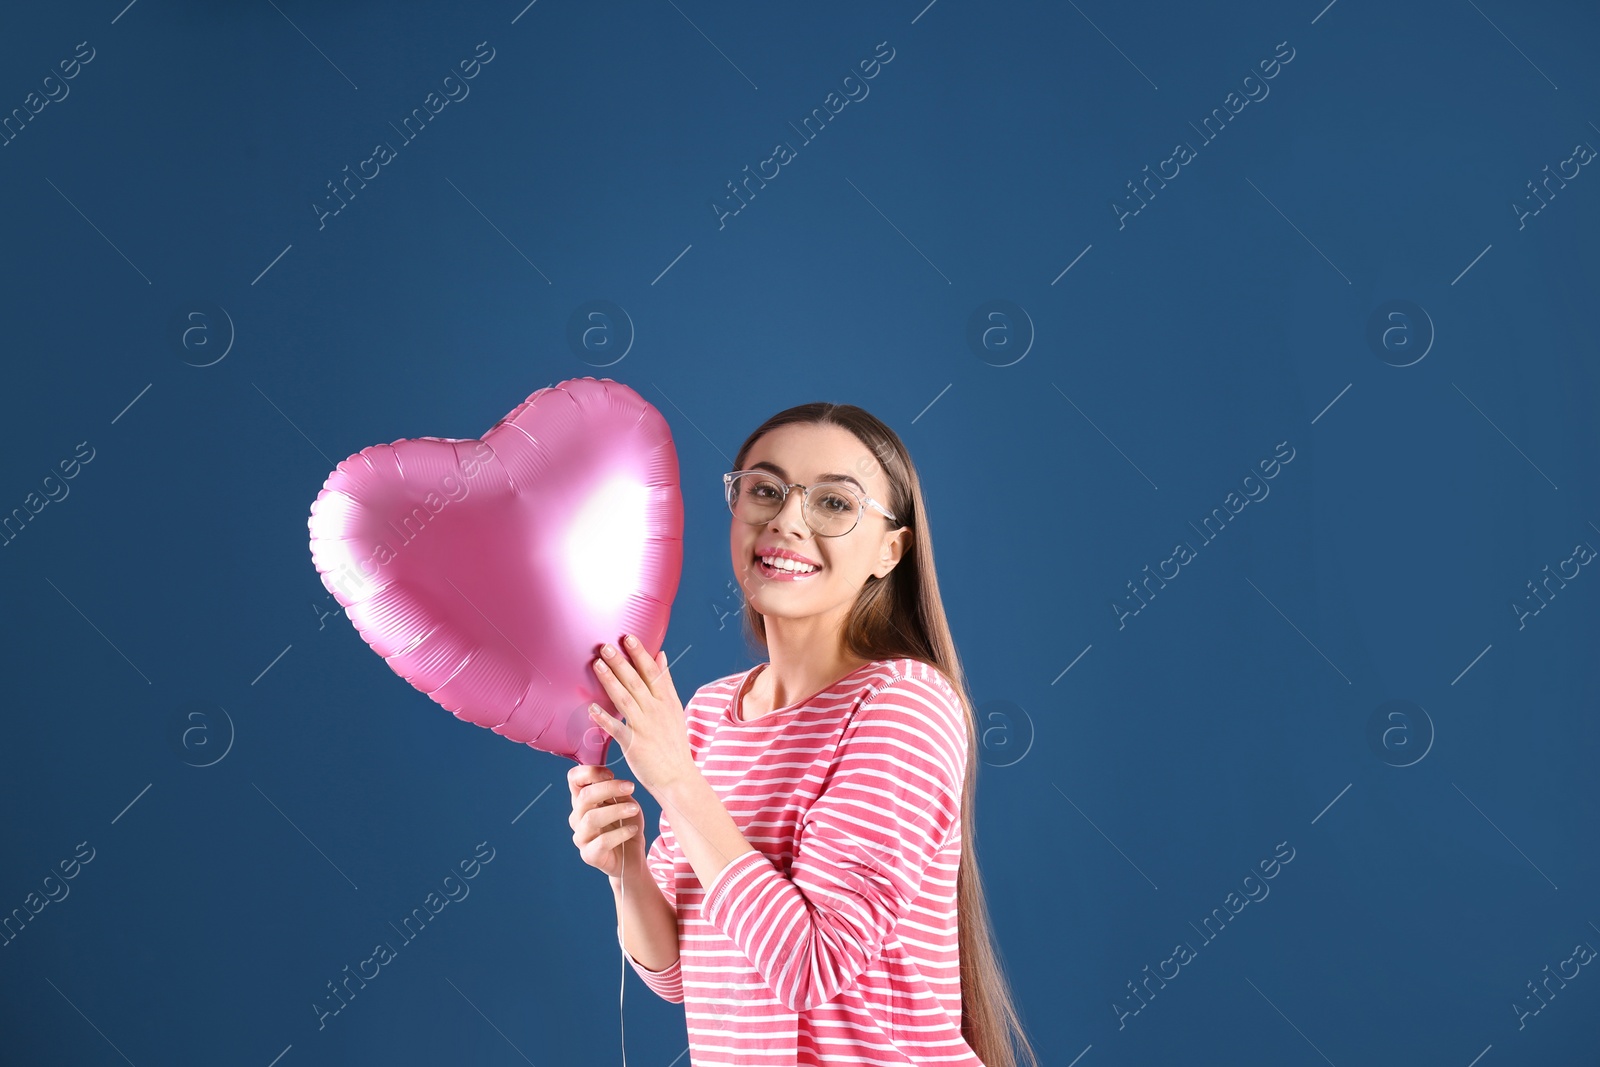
(488, 572)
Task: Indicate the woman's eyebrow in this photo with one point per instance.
(780, 472)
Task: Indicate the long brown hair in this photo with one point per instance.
(898, 616)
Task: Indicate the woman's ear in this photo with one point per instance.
(894, 547)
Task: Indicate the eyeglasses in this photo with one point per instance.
(831, 509)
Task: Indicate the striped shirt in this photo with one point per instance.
(835, 941)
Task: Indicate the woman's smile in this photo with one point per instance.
(786, 570)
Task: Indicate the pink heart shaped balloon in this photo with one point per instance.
(487, 573)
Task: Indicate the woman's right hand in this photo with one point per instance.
(607, 824)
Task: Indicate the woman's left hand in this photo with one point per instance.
(655, 737)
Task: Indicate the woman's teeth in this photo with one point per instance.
(779, 564)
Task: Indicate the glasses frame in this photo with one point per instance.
(805, 501)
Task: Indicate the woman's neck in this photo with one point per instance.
(799, 666)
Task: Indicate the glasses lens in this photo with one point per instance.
(755, 498)
(834, 509)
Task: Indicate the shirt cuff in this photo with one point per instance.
(744, 869)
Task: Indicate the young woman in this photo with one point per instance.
(812, 896)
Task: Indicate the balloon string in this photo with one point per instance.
(623, 984)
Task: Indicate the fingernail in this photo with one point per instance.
(627, 787)
(608, 651)
(630, 641)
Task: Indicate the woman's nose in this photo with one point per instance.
(792, 511)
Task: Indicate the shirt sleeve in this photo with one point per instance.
(667, 983)
(890, 802)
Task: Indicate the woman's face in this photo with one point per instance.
(811, 453)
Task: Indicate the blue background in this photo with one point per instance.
(1441, 858)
